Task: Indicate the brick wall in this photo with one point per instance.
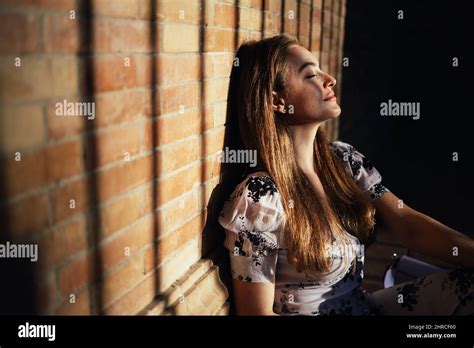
(117, 200)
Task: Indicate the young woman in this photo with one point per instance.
(296, 224)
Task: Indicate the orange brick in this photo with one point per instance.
(46, 296)
(207, 190)
(52, 5)
(19, 33)
(178, 68)
(272, 22)
(169, 129)
(28, 215)
(213, 140)
(135, 300)
(122, 178)
(215, 91)
(150, 259)
(177, 155)
(61, 196)
(62, 34)
(113, 74)
(178, 184)
(81, 305)
(112, 8)
(144, 75)
(211, 167)
(118, 144)
(191, 229)
(222, 65)
(59, 126)
(24, 175)
(64, 74)
(218, 40)
(256, 4)
(273, 6)
(148, 199)
(120, 213)
(121, 36)
(188, 38)
(219, 113)
(250, 19)
(116, 108)
(291, 19)
(38, 78)
(144, 9)
(182, 11)
(181, 96)
(21, 127)
(77, 273)
(225, 15)
(115, 284)
(63, 242)
(168, 245)
(176, 267)
(177, 213)
(134, 237)
(304, 24)
(64, 160)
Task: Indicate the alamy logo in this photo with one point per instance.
(391, 108)
(24, 251)
(86, 109)
(37, 331)
(238, 156)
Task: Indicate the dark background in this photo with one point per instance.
(410, 60)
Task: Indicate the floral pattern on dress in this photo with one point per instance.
(461, 282)
(410, 292)
(361, 168)
(260, 245)
(259, 186)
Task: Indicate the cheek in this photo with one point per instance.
(306, 93)
(312, 98)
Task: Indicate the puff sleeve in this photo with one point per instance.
(363, 171)
(252, 218)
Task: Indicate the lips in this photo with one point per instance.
(332, 95)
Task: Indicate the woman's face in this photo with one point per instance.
(309, 90)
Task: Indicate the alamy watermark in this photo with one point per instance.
(22, 251)
(238, 156)
(66, 108)
(28, 330)
(391, 108)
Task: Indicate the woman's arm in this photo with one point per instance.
(253, 298)
(422, 233)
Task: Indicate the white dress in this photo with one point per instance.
(254, 223)
(253, 219)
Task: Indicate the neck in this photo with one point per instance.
(303, 137)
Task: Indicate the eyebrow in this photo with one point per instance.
(305, 65)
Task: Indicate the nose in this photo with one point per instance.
(329, 81)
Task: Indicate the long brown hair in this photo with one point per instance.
(259, 68)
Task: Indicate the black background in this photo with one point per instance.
(410, 60)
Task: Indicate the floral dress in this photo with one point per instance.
(254, 222)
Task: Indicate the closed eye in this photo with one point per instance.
(311, 76)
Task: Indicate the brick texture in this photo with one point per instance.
(113, 188)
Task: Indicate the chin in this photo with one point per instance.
(332, 113)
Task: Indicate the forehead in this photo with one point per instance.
(298, 55)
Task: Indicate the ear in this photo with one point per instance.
(278, 103)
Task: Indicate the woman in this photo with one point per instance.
(296, 224)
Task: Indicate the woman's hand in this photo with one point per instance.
(422, 233)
